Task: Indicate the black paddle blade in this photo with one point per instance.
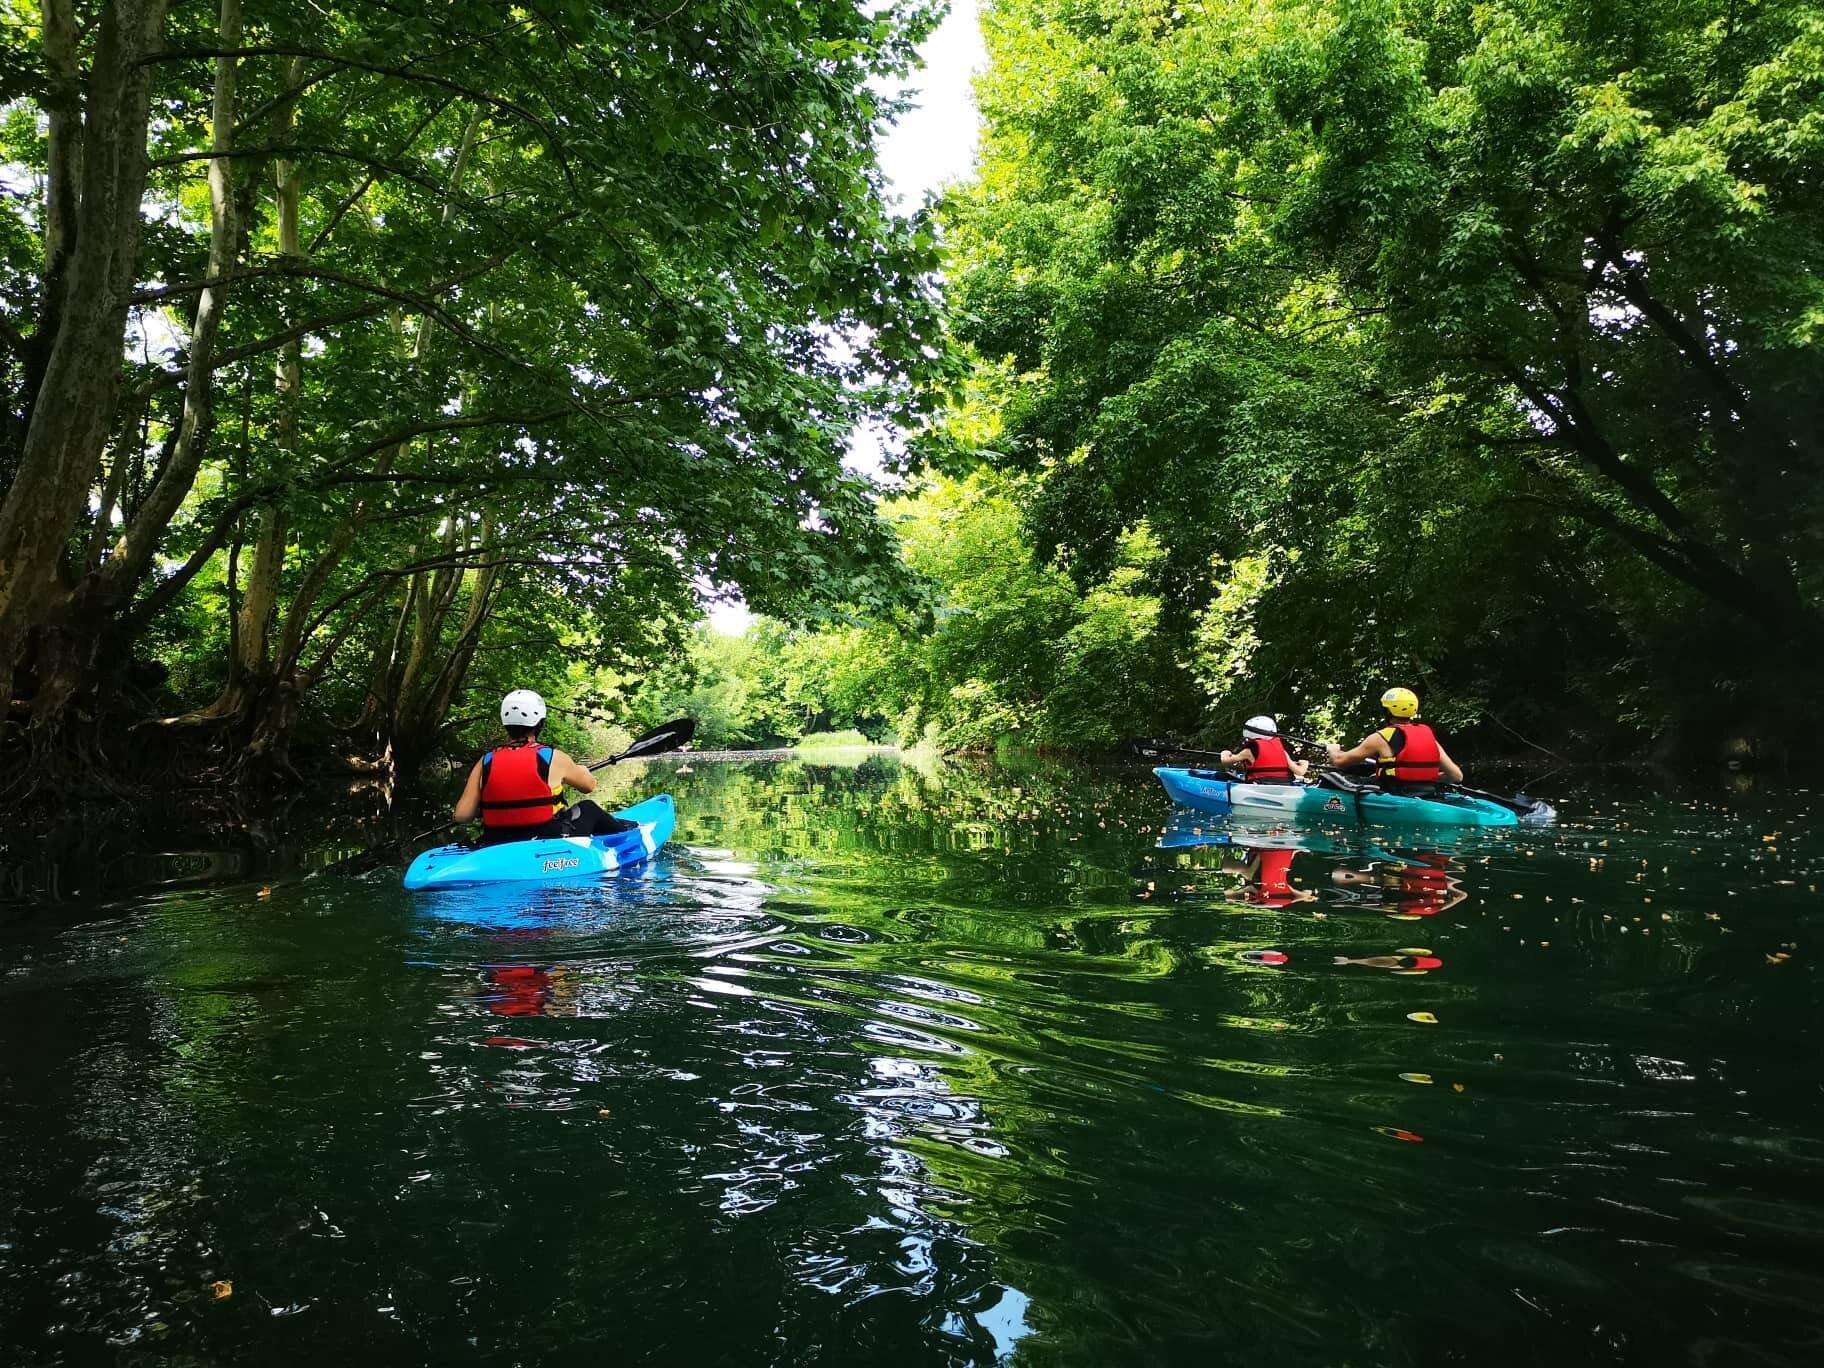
(362, 862)
(661, 739)
(376, 856)
(1533, 810)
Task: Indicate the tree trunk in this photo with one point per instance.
(250, 667)
(138, 543)
(63, 160)
(96, 237)
(423, 689)
(442, 692)
(382, 688)
(247, 657)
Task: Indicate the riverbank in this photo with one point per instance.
(809, 755)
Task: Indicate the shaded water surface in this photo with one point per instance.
(955, 1067)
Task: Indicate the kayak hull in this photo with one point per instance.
(1210, 792)
(547, 859)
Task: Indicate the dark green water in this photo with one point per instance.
(882, 1067)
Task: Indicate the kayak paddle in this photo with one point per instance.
(1152, 750)
(1519, 804)
(655, 742)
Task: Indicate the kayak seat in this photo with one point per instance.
(579, 819)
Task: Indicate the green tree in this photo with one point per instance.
(397, 319)
(1474, 346)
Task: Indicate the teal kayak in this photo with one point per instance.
(1211, 791)
(549, 857)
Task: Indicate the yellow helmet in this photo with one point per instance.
(1401, 702)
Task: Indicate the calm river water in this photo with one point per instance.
(962, 1066)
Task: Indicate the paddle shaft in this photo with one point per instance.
(1513, 804)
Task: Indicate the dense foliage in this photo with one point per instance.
(358, 362)
(359, 359)
(1003, 649)
(1472, 346)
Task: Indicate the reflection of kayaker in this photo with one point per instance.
(1276, 958)
(522, 990)
(1411, 964)
(1268, 873)
(1417, 884)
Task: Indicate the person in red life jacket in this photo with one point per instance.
(1407, 755)
(1263, 756)
(517, 789)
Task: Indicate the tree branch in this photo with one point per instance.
(303, 270)
(1700, 568)
(353, 197)
(298, 151)
(404, 73)
(230, 512)
(167, 589)
(229, 356)
(1573, 422)
(330, 474)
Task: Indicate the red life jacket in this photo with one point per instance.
(516, 786)
(1415, 754)
(1270, 764)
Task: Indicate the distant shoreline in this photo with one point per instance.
(787, 753)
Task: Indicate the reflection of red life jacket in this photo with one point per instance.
(524, 990)
(516, 786)
(1272, 886)
(1415, 754)
(1270, 764)
(1423, 887)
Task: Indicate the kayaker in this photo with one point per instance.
(1407, 755)
(517, 789)
(1263, 756)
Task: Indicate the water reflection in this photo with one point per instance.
(784, 1024)
(944, 1066)
(1407, 885)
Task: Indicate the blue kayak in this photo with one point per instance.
(1212, 791)
(547, 858)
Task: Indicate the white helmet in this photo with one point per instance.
(1260, 726)
(522, 708)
